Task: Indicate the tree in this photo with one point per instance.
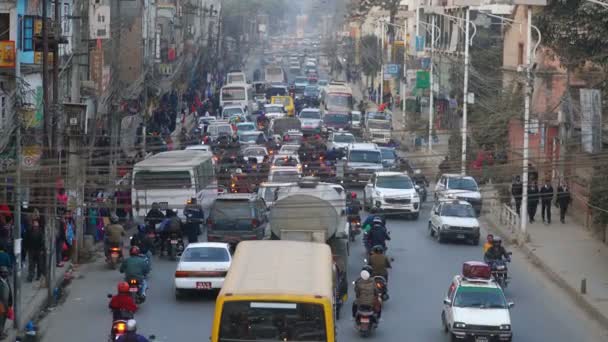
(371, 57)
(392, 6)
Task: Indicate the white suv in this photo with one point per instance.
(391, 191)
(476, 310)
(454, 219)
(455, 186)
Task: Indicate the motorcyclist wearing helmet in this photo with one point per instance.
(154, 216)
(114, 234)
(366, 293)
(122, 304)
(136, 266)
(195, 216)
(353, 205)
(371, 220)
(132, 335)
(141, 240)
(496, 252)
(379, 262)
(378, 236)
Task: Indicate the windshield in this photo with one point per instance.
(289, 148)
(148, 180)
(339, 102)
(457, 210)
(376, 124)
(228, 112)
(233, 94)
(388, 154)
(479, 297)
(236, 79)
(274, 110)
(378, 116)
(365, 157)
(322, 83)
(356, 117)
(245, 127)
(220, 129)
(270, 194)
(462, 184)
(394, 182)
(344, 138)
(336, 119)
(205, 254)
(274, 72)
(285, 161)
(310, 115)
(251, 152)
(285, 176)
(231, 215)
(301, 80)
(248, 137)
(276, 91)
(310, 91)
(272, 321)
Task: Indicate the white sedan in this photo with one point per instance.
(202, 266)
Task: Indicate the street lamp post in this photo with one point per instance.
(466, 95)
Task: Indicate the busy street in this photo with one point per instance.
(320, 170)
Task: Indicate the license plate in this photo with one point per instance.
(203, 285)
(460, 236)
(174, 242)
(364, 320)
(133, 289)
(481, 339)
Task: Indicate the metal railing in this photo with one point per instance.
(506, 216)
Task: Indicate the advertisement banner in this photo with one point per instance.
(423, 79)
(7, 54)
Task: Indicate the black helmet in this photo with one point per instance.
(378, 249)
(496, 240)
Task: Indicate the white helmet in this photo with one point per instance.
(131, 325)
(364, 275)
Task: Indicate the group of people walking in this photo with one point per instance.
(545, 196)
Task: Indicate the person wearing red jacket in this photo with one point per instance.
(123, 302)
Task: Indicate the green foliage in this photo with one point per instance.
(577, 30)
(599, 197)
(371, 57)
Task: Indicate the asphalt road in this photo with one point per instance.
(422, 272)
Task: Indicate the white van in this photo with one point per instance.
(171, 179)
(238, 94)
(236, 77)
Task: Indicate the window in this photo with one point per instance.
(65, 20)
(28, 33)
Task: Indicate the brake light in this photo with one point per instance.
(115, 249)
(121, 328)
(182, 274)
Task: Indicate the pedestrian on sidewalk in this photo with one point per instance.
(6, 299)
(517, 191)
(546, 196)
(563, 200)
(532, 200)
(34, 246)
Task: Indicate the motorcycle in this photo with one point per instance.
(500, 272)
(421, 189)
(114, 256)
(365, 320)
(135, 289)
(175, 246)
(354, 226)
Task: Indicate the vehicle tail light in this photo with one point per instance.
(120, 328)
(115, 249)
(133, 282)
(182, 274)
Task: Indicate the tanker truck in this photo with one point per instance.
(313, 211)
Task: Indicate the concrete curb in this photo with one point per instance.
(582, 301)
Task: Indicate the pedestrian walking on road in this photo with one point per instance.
(563, 200)
(6, 299)
(546, 195)
(517, 191)
(34, 246)
(532, 200)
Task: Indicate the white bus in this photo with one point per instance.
(274, 74)
(238, 94)
(171, 179)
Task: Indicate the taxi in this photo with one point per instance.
(475, 308)
(286, 101)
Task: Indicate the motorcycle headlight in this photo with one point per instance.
(505, 327)
(459, 325)
(445, 226)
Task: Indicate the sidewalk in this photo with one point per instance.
(34, 299)
(567, 254)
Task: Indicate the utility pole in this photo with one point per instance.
(382, 30)
(431, 97)
(404, 82)
(466, 92)
(524, 203)
(115, 118)
(17, 229)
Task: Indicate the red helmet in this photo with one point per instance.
(134, 250)
(353, 195)
(123, 287)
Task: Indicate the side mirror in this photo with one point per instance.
(417, 187)
(510, 305)
(447, 301)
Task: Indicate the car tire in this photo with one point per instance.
(440, 238)
(431, 231)
(444, 323)
(415, 216)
